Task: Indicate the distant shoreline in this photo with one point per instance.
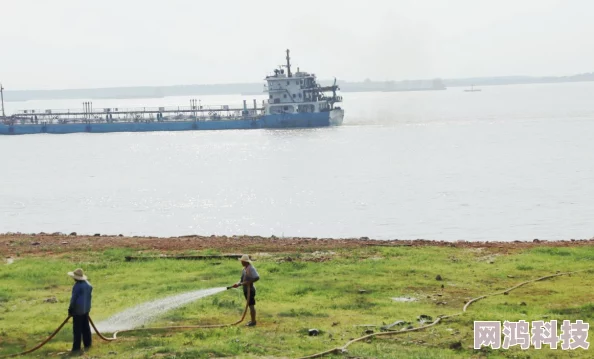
(256, 89)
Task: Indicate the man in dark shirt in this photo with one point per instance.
(80, 306)
(249, 275)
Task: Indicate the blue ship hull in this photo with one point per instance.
(298, 120)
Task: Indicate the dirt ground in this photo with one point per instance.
(12, 244)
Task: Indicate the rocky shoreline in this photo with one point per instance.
(21, 243)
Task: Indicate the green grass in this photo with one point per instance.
(296, 296)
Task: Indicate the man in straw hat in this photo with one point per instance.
(249, 275)
(80, 306)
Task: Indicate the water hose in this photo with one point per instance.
(317, 355)
(343, 348)
(137, 329)
(115, 334)
(40, 344)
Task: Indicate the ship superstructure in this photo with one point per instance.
(294, 100)
(298, 92)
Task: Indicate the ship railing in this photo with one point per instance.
(125, 111)
(60, 121)
(331, 98)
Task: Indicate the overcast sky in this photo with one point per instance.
(102, 43)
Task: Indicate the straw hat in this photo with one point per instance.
(78, 274)
(245, 258)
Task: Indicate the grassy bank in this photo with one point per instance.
(334, 291)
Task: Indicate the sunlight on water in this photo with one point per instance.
(508, 163)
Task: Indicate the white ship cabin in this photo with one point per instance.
(298, 92)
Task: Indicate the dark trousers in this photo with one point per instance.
(81, 328)
(252, 299)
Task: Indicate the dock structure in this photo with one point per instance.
(88, 114)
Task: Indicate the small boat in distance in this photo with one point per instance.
(472, 89)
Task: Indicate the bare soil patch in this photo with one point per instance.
(12, 244)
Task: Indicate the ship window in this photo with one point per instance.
(299, 95)
(288, 82)
(286, 108)
(285, 95)
(294, 95)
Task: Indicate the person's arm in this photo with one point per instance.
(238, 283)
(255, 275)
(251, 276)
(73, 298)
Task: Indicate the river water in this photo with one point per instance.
(507, 163)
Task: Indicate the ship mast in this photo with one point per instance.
(2, 97)
(289, 64)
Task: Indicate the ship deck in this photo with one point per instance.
(89, 115)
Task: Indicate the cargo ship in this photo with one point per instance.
(295, 100)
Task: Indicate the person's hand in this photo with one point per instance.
(235, 285)
(70, 312)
